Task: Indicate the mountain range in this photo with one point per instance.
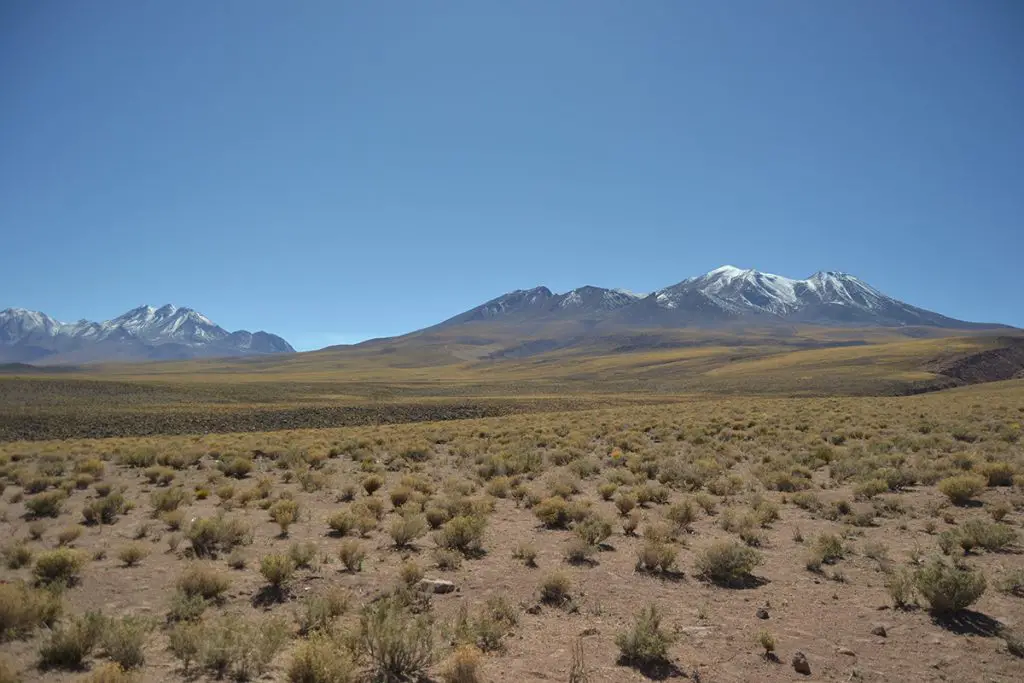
(143, 333)
(522, 322)
(722, 296)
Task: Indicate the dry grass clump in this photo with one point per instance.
(727, 563)
(556, 589)
(318, 612)
(62, 566)
(321, 659)
(645, 644)
(23, 609)
(211, 536)
(398, 644)
(961, 489)
(947, 588)
(70, 643)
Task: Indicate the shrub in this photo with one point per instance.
(555, 589)
(17, 555)
(184, 607)
(283, 513)
(241, 648)
(205, 582)
(447, 560)
(462, 533)
(1013, 583)
(69, 644)
(124, 639)
(630, 523)
(525, 552)
(321, 660)
(169, 500)
(407, 528)
(318, 612)
(69, 535)
(646, 643)
(105, 510)
(159, 475)
(607, 490)
(997, 473)
(277, 569)
(948, 589)
(400, 645)
(829, 548)
(237, 467)
(352, 555)
(463, 666)
(655, 556)
(900, 585)
(594, 530)
(625, 503)
(372, 484)
(962, 488)
(682, 514)
(46, 504)
(210, 536)
(62, 566)
(578, 551)
(552, 512)
(23, 609)
(341, 523)
(131, 554)
(185, 642)
(992, 536)
(727, 562)
(411, 573)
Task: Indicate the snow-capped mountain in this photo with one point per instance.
(723, 295)
(140, 334)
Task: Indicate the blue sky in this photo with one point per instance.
(331, 170)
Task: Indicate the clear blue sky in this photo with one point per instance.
(336, 170)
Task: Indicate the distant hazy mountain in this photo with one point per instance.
(143, 333)
(724, 295)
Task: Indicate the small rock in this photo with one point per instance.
(589, 632)
(436, 586)
(762, 613)
(879, 630)
(846, 651)
(801, 665)
(533, 609)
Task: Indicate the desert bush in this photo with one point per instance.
(900, 585)
(410, 573)
(17, 555)
(829, 548)
(447, 560)
(630, 523)
(593, 530)
(869, 489)
(239, 647)
(159, 475)
(463, 666)
(169, 500)
(400, 645)
(277, 569)
(318, 612)
(727, 562)
(407, 528)
(201, 580)
(68, 535)
(552, 512)
(372, 484)
(49, 504)
(1013, 583)
(60, 566)
(997, 473)
(625, 503)
(283, 513)
(351, 554)
(131, 554)
(979, 533)
(69, 644)
(646, 643)
(578, 551)
(607, 490)
(462, 533)
(185, 642)
(947, 588)
(556, 589)
(526, 553)
(302, 554)
(962, 488)
(655, 556)
(212, 535)
(105, 510)
(124, 639)
(24, 609)
(321, 660)
(184, 607)
(341, 523)
(237, 467)
(682, 514)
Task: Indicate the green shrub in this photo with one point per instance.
(318, 612)
(556, 589)
(17, 555)
(962, 488)
(594, 530)
(210, 536)
(105, 510)
(341, 523)
(131, 554)
(239, 647)
(303, 554)
(24, 609)
(372, 484)
(829, 548)
(400, 645)
(237, 467)
(656, 556)
(169, 500)
(462, 533)
(124, 640)
(997, 473)
(979, 533)
(61, 566)
(46, 504)
(69, 644)
(205, 582)
(552, 512)
(351, 554)
(727, 563)
(948, 589)
(321, 660)
(407, 528)
(277, 569)
(185, 642)
(283, 513)
(646, 643)
(900, 585)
